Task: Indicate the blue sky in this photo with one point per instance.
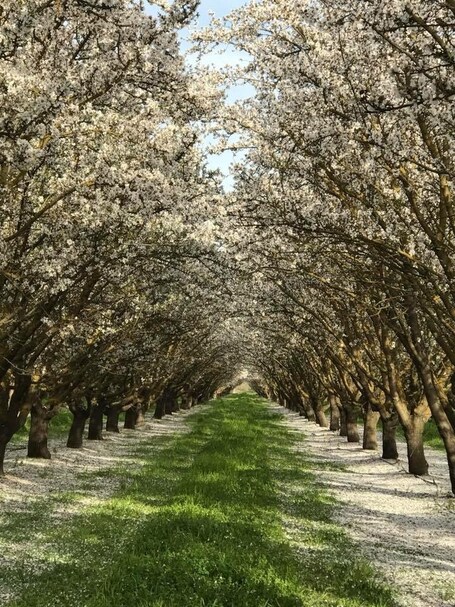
(218, 7)
(227, 56)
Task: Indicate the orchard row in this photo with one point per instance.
(128, 276)
(345, 195)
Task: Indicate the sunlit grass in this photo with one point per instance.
(199, 525)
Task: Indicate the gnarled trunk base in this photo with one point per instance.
(95, 426)
(76, 431)
(112, 420)
(389, 440)
(37, 438)
(370, 435)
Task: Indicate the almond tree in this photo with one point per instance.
(350, 146)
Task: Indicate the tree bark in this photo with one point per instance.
(309, 412)
(370, 423)
(140, 415)
(389, 441)
(160, 406)
(441, 418)
(76, 431)
(170, 404)
(176, 404)
(343, 422)
(39, 429)
(3, 442)
(334, 413)
(186, 402)
(321, 417)
(351, 424)
(130, 418)
(414, 441)
(112, 420)
(14, 409)
(95, 426)
(421, 360)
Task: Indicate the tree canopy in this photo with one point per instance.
(130, 277)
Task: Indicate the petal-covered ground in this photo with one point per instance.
(403, 523)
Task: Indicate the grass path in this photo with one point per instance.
(201, 523)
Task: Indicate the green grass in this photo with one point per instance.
(431, 436)
(446, 591)
(198, 524)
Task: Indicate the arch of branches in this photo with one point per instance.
(130, 279)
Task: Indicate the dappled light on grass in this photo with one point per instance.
(200, 524)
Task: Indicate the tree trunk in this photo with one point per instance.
(3, 442)
(424, 369)
(140, 415)
(351, 425)
(176, 405)
(389, 441)
(159, 407)
(76, 432)
(334, 413)
(321, 417)
(130, 418)
(370, 423)
(441, 418)
(343, 422)
(449, 443)
(39, 429)
(414, 441)
(169, 405)
(95, 426)
(113, 414)
(186, 402)
(15, 408)
(309, 413)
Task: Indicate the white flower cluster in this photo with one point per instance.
(345, 203)
(108, 218)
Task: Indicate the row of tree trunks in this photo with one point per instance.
(20, 396)
(134, 416)
(166, 404)
(343, 419)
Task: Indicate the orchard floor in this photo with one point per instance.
(228, 505)
(404, 523)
